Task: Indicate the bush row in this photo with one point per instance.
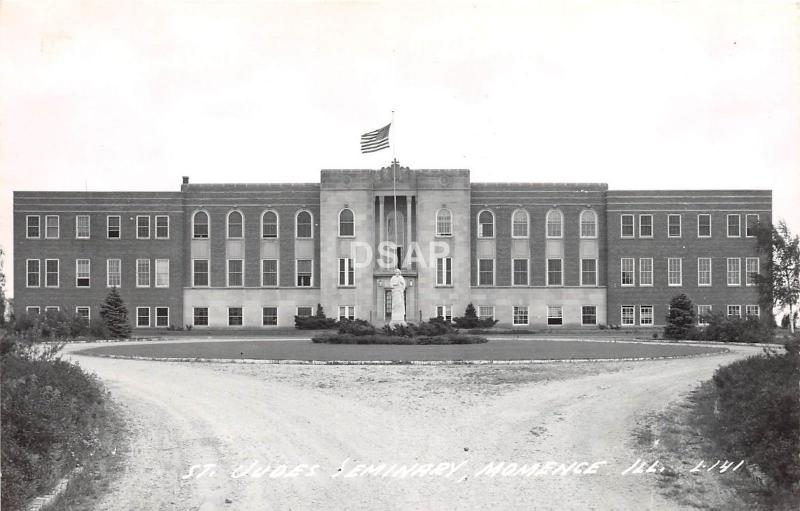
(320, 322)
(381, 338)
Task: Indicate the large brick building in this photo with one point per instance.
(255, 255)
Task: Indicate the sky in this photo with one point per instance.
(112, 95)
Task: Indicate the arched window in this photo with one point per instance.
(200, 225)
(347, 225)
(519, 224)
(303, 225)
(588, 224)
(269, 225)
(444, 223)
(555, 224)
(235, 224)
(486, 224)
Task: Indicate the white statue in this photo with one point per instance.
(398, 284)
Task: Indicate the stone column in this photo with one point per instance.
(382, 222)
(408, 225)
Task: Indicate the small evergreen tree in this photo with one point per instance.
(115, 315)
(320, 312)
(680, 318)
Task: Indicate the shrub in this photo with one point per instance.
(98, 329)
(316, 322)
(356, 327)
(470, 319)
(680, 318)
(733, 329)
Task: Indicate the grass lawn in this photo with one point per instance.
(505, 349)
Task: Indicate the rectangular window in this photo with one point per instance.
(113, 226)
(703, 312)
(51, 227)
(200, 272)
(51, 308)
(162, 316)
(628, 271)
(520, 269)
(704, 271)
(646, 315)
(304, 272)
(628, 315)
(269, 272)
(142, 227)
(734, 311)
(200, 316)
(235, 316)
(626, 226)
(734, 226)
(674, 226)
(589, 315)
(346, 272)
(485, 272)
(84, 312)
(32, 226)
(445, 312)
(162, 227)
(113, 272)
(554, 272)
(751, 269)
(83, 273)
(645, 226)
(347, 312)
(32, 310)
(674, 271)
(752, 310)
(142, 317)
(704, 225)
(34, 273)
(734, 271)
(485, 312)
(269, 316)
(305, 312)
(444, 271)
(143, 273)
(82, 229)
(645, 271)
(235, 272)
(162, 272)
(588, 272)
(750, 224)
(555, 315)
(51, 277)
(520, 315)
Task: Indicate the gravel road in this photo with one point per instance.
(305, 422)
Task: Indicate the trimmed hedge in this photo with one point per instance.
(453, 338)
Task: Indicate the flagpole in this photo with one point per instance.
(394, 191)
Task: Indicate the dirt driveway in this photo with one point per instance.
(305, 422)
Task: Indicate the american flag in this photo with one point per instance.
(375, 140)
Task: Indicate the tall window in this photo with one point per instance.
(113, 226)
(704, 271)
(734, 271)
(674, 271)
(445, 312)
(347, 227)
(51, 227)
(555, 224)
(143, 317)
(626, 226)
(485, 272)
(143, 273)
(200, 272)
(346, 273)
(235, 225)
(752, 310)
(628, 271)
(304, 272)
(554, 272)
(235, 272)
(646, 226)
(646, 315)
(305, 312)
(113, 272)
(750, 224)
(734, 311)
(704, 225)
(555, 315)
(519, 224)
(200, 225)
(142, 227)
(589, 315)
(200, 316)
(444, 271)
(162, 316)
(673, 226)
(269, 272)
(84, 312)
(588, 272)
(347, 312)
(588, 224)
(82, 273)
(703, 312)
(82, 230)
(303, 227)
(751, 269)
(486, 224)
(269, 316)
(628, 315)
(235, 316)
(33, 273)
(485, 312)
(734, 226)
(32, 226)
(162, 272)
(51, 277)
(269, 225)
(645, 271)
(444, 223)
(162, 230)
(520, 315)
(520, 269)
